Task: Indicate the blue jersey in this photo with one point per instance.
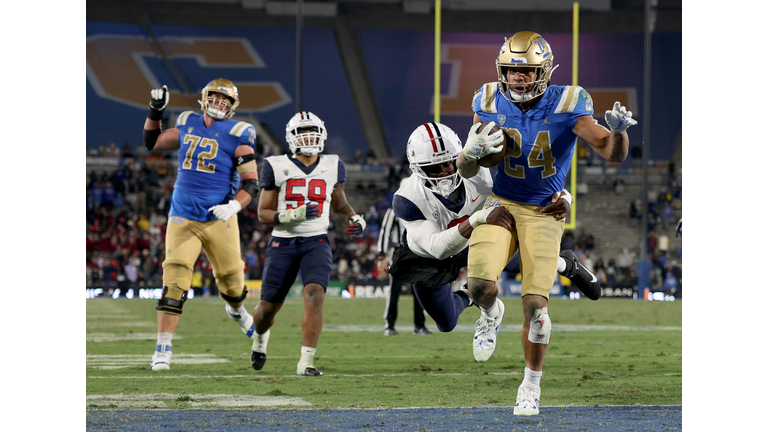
(207, 175)
(540, 142)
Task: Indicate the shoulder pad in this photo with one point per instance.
(485, 98)
(571, 98)
(240, 127)
(183, 117)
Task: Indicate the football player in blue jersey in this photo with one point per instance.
(542, 122)
(217, 177)
(439, 211)
(299, 192)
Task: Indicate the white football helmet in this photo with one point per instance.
(525, 49)
(305, 134)
(224, 87)
(434, 144)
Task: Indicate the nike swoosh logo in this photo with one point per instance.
(324, 171)
(476, 198)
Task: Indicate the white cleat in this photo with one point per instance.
(161, 360)
(486, 329)
(527, 402)
(244, 320)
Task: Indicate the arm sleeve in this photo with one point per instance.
(426, 239)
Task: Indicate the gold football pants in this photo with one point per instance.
(221, 240)
(536, 236)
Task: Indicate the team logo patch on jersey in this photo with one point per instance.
(285, 172)
(501, 119)
(190, 129)
(434, 214)
(490, 202)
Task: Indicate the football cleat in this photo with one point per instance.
(259, 350)
(527, 402)
(311, 371)
(244, 320)
(582, 277)
(486, 329)
(421, 331)
(390, 332)
(161, 360)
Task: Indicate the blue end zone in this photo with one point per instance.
(594, 418)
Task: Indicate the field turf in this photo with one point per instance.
(605, 353)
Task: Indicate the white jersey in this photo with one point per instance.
(422, 234)
(298, 188)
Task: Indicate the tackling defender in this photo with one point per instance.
(298, 193)
(542, 122)
(439, 210)
(215, 155)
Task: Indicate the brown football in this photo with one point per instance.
(493, 159)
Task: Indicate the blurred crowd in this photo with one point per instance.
(127, 204)
(126, 214)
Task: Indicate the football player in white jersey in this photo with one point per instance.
(440, 210)
(298, 192)
(542, 122)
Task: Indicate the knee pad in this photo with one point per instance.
(540, 328)
(232, 286)
(238, 299)
(169, 304)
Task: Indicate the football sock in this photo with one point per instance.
(532, 377)
(491, 312)
(164, 339)
(560, 265)
(307, 355)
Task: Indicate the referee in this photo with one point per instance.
(389, 237)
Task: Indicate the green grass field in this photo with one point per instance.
(609, 352)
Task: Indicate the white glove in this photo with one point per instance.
(299, 214)
(160, 98)
(480, 217)
(356, 226)
(619, 119)
(225, 211)
(480, 145)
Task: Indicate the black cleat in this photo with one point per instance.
(311, 371)
(582, 277)
(421, 331)
(390, 332)
(258, 359)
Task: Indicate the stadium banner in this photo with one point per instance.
(366, 288)
(334, 289)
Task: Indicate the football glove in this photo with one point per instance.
(480, 145)
(356, 226)
(160, 98)
(619, 119)
(305, 212)
(225, 211)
